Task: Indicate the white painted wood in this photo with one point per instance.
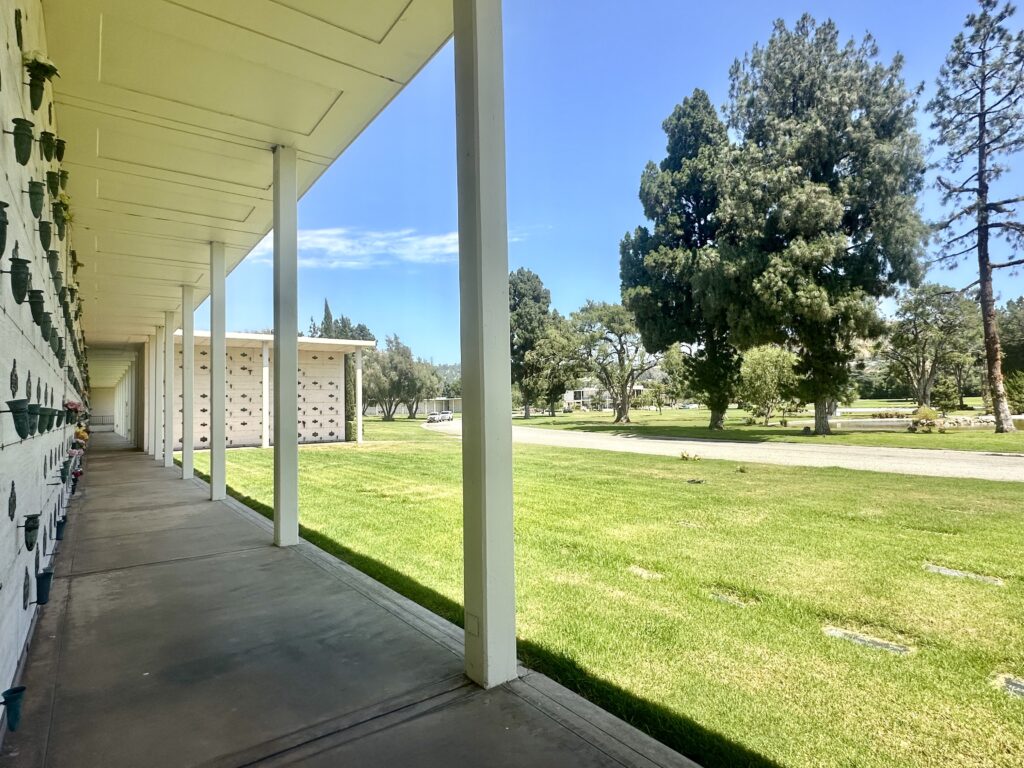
(132, 380)
(188, 381)
(159, 382)
(359, 397)
(343, 410)
(218, 375)
(150, 394)
(265, 404)
(286, 350)
(168, 451)
(490, 630)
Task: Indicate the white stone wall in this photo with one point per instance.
(320, 398)
(30, 466)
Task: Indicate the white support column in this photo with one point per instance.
(359, 396)
(265, 439)
(286, 350)
(188, 381)
(149, 390)
(489, 584)
(158, 404)
(341, 393)
(218, 374)
(169, 389)
(132, 381)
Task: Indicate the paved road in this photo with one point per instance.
(907, 461)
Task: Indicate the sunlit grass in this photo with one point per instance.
(619, 559)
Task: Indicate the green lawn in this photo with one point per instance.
(619, 561)
(693, 424)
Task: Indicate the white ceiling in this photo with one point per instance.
(108, 365)
(170, 109)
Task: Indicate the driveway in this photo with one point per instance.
(905, 461)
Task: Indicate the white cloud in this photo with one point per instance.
(350, 248)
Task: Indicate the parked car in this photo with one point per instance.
(433, 417)
(446, 416)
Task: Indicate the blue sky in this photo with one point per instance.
(587, 87)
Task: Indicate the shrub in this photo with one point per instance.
(945, 395)
(925, 419)
(1014, 383)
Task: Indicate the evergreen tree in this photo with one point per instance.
(817, 216)
(979, 115)
(662, 272)
(342, 328)
(529, 304)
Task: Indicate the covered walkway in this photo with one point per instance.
(177, 635)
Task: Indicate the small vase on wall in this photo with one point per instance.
(20, 277)
(12, 698)
(3, 228)
(36, 197)
(47, 144)
(23, 139)
(19, 413)
(40, 70)
(36, 302)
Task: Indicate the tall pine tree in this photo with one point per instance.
(979, 115)
(818, 216)
(662, 271)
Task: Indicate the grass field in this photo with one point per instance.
(696, 611)
(693, 424)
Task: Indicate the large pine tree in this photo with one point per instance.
(979, 115)
(662, 271)
(818, 216)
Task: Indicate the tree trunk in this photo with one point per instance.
(526, 409)
(993, 352)
(821, 426)
(717, 419)
(622, 408)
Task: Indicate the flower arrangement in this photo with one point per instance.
(73, 405)
(75, 452)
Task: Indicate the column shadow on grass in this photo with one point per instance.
(710, 749)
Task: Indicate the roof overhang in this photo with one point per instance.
(257, 340)
(171, 108)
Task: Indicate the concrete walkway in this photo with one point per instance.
(176, 635)
(906, 461)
